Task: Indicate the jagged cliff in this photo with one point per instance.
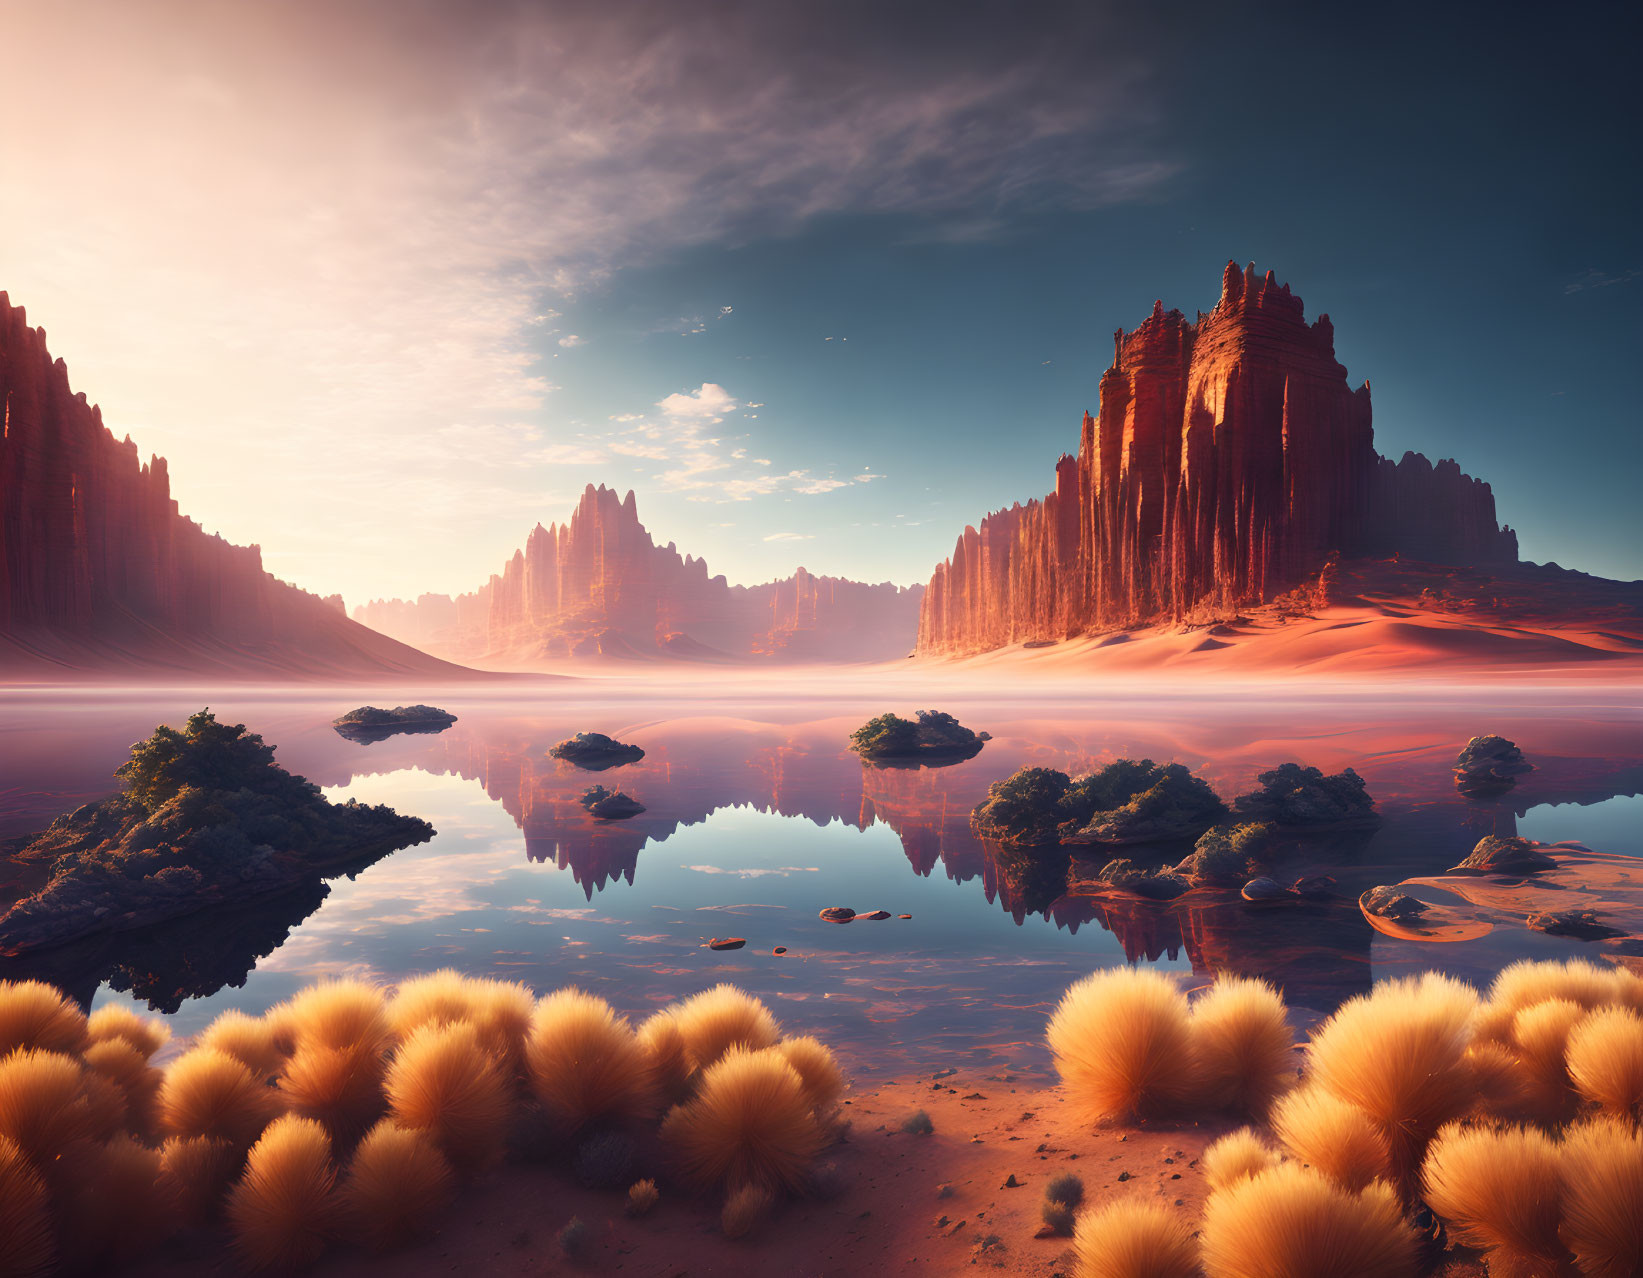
(1228, 461)
(99, 571)
(598, 585)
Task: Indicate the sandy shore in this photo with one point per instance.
(935, 1204)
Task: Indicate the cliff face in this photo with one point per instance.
(99, 570)
(1228, 461)
(598, 585)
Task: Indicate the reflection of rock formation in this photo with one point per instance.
(1228, 461)
(599, 586)
(98, 569)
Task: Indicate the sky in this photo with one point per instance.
(389, 281)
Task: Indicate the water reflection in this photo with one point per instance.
(754, 824)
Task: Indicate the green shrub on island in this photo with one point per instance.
(1141, 802)
(1226, 855)
(935, 733)
(1024, 807)
(596, 751)
(1294, 797)
(207, 818)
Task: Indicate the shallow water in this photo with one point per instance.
(758, 817)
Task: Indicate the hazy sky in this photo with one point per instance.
(388, 283)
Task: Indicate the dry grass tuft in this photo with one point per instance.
(745, 1209)
(443, 1082)
(1605, 1061)
(1497, 1081)
(197, 1172)
(819, 1072)
(1540, 1038)
(116, 1061)
(209, 1093)
(283, 1208)
(1602, 1187)
(43, 1106)
(1124, 1047)
(1134, 1239)
(1336, 1137)
(664, 1047)
(1499, 1189)
(338, 1087)
(585, 1063)
(36, 1015)
(257, 1042)
(336, 1014)
(1236, 1156)
(1399, 1055)
(437, 998)
(148, 1034)
(502, 1012)
(721, 1018)
(397, 1185)
(1241, 1034)
(106, 1103)
(30, 1249)
(642, 1196)
(115, 1205)
(1522, 984)
(750, 1123)
(1293, 1222)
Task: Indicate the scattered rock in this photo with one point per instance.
(610, 805)
(837, 914)
(1011, 1183)
(369, 723)
(1489, 766)
(904, 916)
(875, 916)
(727, 943)
(1582, 925)
(596, 752)
(780, 949)
(1504, 854)
(1265, 889)
(1387, 902)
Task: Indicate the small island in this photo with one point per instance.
(610, 805)
(935, 738)
(371, 723)
(596, 752)
(1126, 802)
(207, 819)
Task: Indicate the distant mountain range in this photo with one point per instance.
(599, 586)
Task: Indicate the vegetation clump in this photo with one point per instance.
(1226, 855)
(207, 818)
(1293, 797)
(918, 1124)
(610, 805)
(1129, 801)
(935, 735)
(596, 752)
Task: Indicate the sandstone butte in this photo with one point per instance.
(100, 573)
(1229, 461)
(598, 585)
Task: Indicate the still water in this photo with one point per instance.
(758, 817)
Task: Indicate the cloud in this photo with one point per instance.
(709, 401)
(572, 340)
(357, 217)
(1599, 279)
(790, 536)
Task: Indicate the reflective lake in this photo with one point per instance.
(757, 817)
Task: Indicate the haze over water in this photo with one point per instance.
(758, 817)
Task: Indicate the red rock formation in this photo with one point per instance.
(598, 585)
(1228, 461)
(98, 570)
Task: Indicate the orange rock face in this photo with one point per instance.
(98, 569)
(598, 585)
(1229, 460)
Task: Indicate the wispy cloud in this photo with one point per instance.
(1601, 279)
(257, 229)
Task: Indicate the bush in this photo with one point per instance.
(1065, 1188)
(1294, 797)
(1226, 855)
(1130, 802)
(918, 1124)
(642, 1196)
(1023, 808)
